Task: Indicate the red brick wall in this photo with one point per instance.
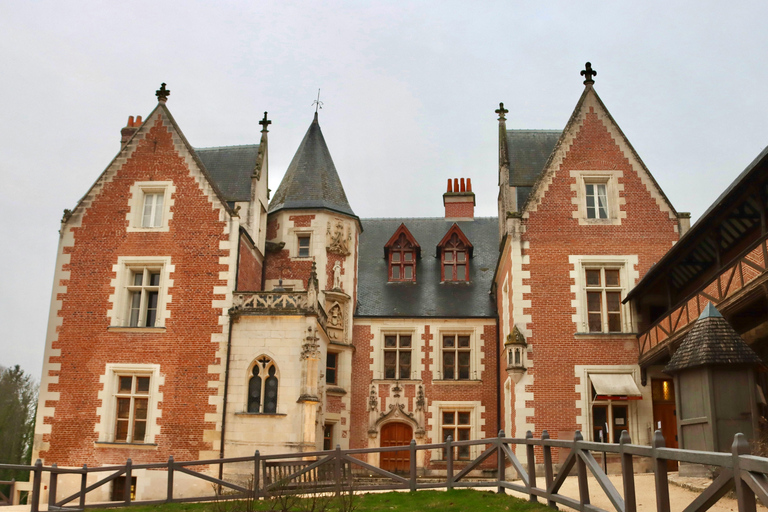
(301, 221)
(280, 265)
(249, 268)
(553, 235)
(184, 351)
(460, 210)
(361, 382)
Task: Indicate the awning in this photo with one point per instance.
(615, 386)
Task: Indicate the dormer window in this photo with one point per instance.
(455, 251)
(401, 252)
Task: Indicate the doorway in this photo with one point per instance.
(396, 434)
(665, 414)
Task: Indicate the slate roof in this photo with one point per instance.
(311, 180)
(231, 167)
(528, 152)
(711, 341)
(428, 297)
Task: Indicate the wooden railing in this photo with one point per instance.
(7, 500)
(326, 471)
(744, 273)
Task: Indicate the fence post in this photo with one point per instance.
(256, 483)
(169, 494)
(744, 495)
(337, 469)
(449, 463)
(660, 474)
(83, 485)
(500, 465)
(531, 465)
(52, 485)
(37, 476)
(412, 453)
(627, 474)
(128, 478)
(549, 476)
(581, 469)
(12, 495)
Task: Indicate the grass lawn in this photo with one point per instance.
(443, 501)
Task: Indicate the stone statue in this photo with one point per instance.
(337, 276)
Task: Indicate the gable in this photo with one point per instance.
(403, 230)
(592, 141)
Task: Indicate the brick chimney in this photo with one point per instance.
(459, 200)
(131, 128)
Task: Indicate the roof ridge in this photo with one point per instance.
(425, 218)
(226, 147)
(534, 130)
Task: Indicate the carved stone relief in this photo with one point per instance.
(339, 237)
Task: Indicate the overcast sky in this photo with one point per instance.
(409, 93)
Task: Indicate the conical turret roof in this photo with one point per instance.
(711, 341)
(311, 180)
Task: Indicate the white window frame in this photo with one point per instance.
(613, 189)
(475, 430)
(473, 349)
(124, 289)
(107, 412)
(140, 190)
(628, 276)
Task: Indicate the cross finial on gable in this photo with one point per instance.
(162, 93)
(501, 111)
(265, 123)
(588, 73)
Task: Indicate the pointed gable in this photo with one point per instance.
(311, 180)
(402, 230)
(462, 238)
(591, 141)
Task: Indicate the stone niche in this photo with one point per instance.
(337, 309)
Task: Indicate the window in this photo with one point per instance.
(603, 286)
(597, 200)
(143, 293)
(455, 260)
(402, 260)
(609, 420)
(328, 436)
(151, 203)
(331, 364)
(303, 251)
(132, 402)
(457, 425)
(118, 489)
(397, 356)
(262, 387)
(456, 355)
(152, 212)
(611, 395)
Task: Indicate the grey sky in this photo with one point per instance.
(409, 91)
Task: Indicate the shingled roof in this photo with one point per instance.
(311, 180)
(231, 168)
(427, 297)
(711, 341)
(528, 152)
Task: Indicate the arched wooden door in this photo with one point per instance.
(396, 434)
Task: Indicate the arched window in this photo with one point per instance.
(455, 260)
(262, 387)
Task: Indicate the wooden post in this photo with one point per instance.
(12, 495)
(744, 495)
(449, 463)
(128, 478)
(337, 469)
(660, 474)
(52, 486)
(581, 469)
(256, 483)
(500, 466)
(36, 478)
(169, 494)
(627, 474)
(549, 476)
(412, 452)
(83, 485)
(531, 465)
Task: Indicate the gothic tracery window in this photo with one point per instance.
(262, 387)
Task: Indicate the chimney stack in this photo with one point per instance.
(459, 200)
(130, 128)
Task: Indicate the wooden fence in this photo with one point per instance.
(331, 471)
(7, 500)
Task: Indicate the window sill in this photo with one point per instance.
(335, 391)
(451, 382)
(396, 381)
(607, 334)
(262, 414)
(125, 446)
(137, 330)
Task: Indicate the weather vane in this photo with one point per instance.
(317, 103)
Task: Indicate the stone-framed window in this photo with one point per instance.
(141, 292)
(397, 356)
(150, 205)
(598, 197)
(456, 356)
(130, 402)
(600, 285)
(263, 387)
